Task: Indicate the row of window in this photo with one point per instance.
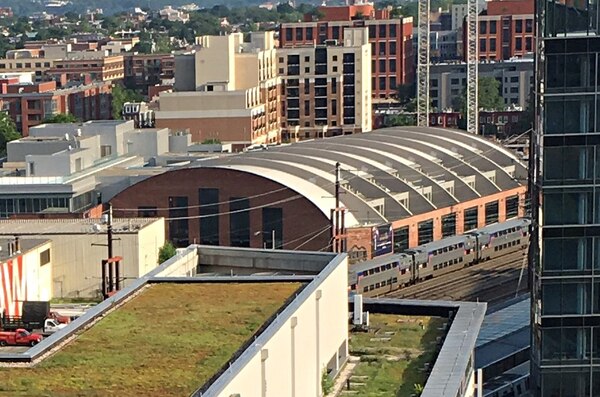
(507, 245)
(372, 287)
(571, 256)
(506, 232)
(449, 248)
(377, 269)
(451, 262)
(518, 24)
(27, 65)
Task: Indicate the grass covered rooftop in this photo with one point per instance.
(167, 341)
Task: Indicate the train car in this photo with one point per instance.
(380, 275)
(501, 238)
(443, 256)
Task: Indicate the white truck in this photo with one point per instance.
(51, 326)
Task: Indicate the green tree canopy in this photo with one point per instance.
(61, 118)
(489, 97)
(166, 252)
(8, 131)
(120, 95)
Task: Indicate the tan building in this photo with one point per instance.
(227, 89)
(25, 60)
(327, 88)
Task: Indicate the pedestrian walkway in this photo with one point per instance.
(344, 375)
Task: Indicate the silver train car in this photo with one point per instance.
(391, 272)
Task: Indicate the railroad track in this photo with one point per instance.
(490, 281)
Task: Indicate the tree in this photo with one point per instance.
(489, 94)
(61, 118)
(166, 252)
(143, 47)
(120, 95)
(8, 131)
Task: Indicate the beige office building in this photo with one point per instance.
(327, 88)
(227, 90)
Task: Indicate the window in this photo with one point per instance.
(425, 232)
(382, 30)
(470, 217)
(299, 34)
(272, 219)
(519, 26)
(570, 164)
(400, 239)
(382, 65)
(239, 222)
(105, 150)
(392, 68)
(335, 32)
(392, 30)
(483, 27)
(512, 206)
(455, 81)
(178, 228)
(519, 44)
(492, 27)
(382, 48)
(482, 45)
(491, 212)
(568, 206)
(449, 225)
(208, 211)
(528, 44)
(289, 35)
(45, 257)
(529, 26)
(334, 107)
(492, 44)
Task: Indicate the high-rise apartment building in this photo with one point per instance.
(226, 90)
(326, 88)
(565, 256)
(391, 41)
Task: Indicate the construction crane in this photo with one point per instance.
(423, 46)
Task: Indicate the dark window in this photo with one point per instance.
(178, 228)
(307, 108)
(470, 219)
(491, 212)
(492, 27)
(528, 25)
(306, 86)
(492, 44)
(299, 34)
(482, 45)
(392, 30)
(400, 239)
(272, 219)
(334, 107)
(239, 222)
(335, 32)
(528, 44)
(512, 206)
(382, 48)
(209, 216)
(425, 232)
(289, 35)
(147, 212)
(483, 27)
(519, 44)
(449, 225)
(519, 25)
(372, 32)
(309, 33)
(382, 31)
(45, 257)
(382, 65)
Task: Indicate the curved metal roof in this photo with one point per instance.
(387, 174)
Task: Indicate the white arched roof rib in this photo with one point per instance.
(338, 146)
(296, 159)
(373, 165)
(495, 154)
(396, 150)
(308, 171)
(499, 148)
(477, 170)
(320, 197)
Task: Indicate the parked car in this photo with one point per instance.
(20, 337)
(59, 317)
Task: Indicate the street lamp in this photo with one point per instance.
(272, 238)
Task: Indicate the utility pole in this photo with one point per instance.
(273, 239)
(109, 245)
(337, 208)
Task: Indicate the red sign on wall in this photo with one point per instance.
(13, 286)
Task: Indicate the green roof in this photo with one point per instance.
(166, 341)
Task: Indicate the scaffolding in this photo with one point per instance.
(472, 64)
(423, 64)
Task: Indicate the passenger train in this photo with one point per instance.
(391, 272)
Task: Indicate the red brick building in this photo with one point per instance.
(144, 70)
(108, 68)
(30, 104)
(423, 183)
(506, 30)
(391, 41)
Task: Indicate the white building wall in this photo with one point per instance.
(39, 277)
(150, 239)
(292, 360)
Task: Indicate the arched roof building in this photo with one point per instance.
(389, 176)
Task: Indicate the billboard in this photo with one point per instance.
(13, 286)
(383, 239)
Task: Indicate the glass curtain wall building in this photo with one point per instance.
(565, 171)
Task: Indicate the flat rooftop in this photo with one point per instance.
(26, 245)
(396, 354)
(23, 227)
(168, 340)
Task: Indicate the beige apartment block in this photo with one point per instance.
(227, 89)
(326, 88)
